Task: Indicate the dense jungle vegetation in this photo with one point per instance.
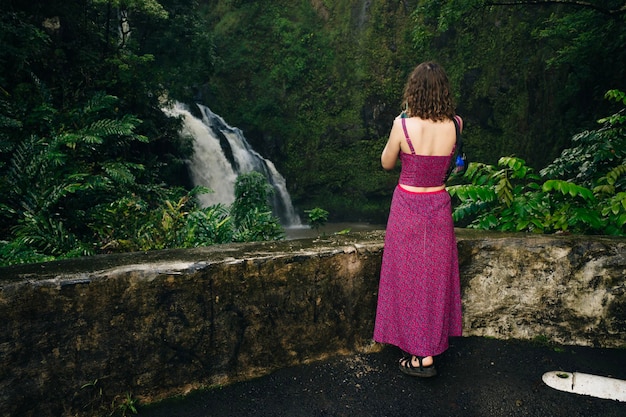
(89, 163)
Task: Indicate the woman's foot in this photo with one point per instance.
(422, 366)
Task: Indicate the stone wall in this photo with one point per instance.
(79, 335)
(569, 290)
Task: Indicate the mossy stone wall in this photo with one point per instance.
(79, 335)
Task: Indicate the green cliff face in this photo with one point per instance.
(316, 84)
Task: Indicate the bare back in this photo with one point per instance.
(429, 138)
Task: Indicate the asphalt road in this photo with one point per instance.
(477, 377)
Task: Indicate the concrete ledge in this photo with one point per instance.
(78, 335)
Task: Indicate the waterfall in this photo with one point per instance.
(221, 153)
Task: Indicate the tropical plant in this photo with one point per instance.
(582, 191)
(251, 212)
(165, 218)
(211, 225)
(53, 180)
(173, 221)
(317, 217)
(127, 406)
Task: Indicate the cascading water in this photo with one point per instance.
(221, 153)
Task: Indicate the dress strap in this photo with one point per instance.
(406, 135)
(459, 123)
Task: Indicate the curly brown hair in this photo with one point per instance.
(427, 94)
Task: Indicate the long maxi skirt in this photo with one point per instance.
(419, 295)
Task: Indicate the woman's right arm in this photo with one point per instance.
(389, 157)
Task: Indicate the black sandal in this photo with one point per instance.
(406, 366)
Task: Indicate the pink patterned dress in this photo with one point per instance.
(419, 296)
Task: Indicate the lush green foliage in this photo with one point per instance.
(163, 218)
(317, 217)
(324, 79)
(309, 85)
(70, 194)
(582, 191)
(89, 162)
(56, 184)
(252, 215)
(529, 74)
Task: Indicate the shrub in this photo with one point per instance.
(582, 191)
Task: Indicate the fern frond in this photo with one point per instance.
(45, 234)
(28, 166)
(98, 102)
(119, 172)
(111, 127)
